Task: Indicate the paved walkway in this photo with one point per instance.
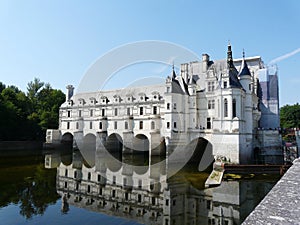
(282, 204)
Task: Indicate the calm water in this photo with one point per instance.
(72, 189)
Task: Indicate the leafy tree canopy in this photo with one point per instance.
(290, 116)
(27, 116)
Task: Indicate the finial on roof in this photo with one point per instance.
(243, 53)
(229, 53)
(173, 71)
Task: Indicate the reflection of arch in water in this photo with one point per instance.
(67, 140)
(141, 144)
(202, 156)
(88, 149)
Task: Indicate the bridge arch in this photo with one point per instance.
(67, 140)
(114, 144)
(141, 144)
(202, 153)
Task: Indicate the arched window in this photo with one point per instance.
(152, 125)
(225, 107)
(233, 108)
(89, 176)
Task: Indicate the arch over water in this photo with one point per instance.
(67, 140)
(202, 156)
(141, 144)
(114, 144)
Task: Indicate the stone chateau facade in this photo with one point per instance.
(231, 103)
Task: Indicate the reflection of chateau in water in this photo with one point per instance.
(147, 196)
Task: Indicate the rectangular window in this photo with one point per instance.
(168, 105)
(103, 112)
(141, 110)
(208, 204)
(116, 125)
(128, 111)
(140, 184)
(154, 110)
(139, 198)
(91, 112)
(167, 202)
(141, 125)
(91, 125)
(168, 125)
(126, 196)
(114, 179)
(211, 104)
(69, 113)
(175, 106)
(68, 125)
(79, 113)
(77, 125)
(116, 112)
(113, 193)
(168, 89)
(208, 123)
(126, 125)
(175, 125)
(211, 86)
(225, 84)
(100, 125)
(153, 200)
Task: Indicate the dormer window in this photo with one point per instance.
(70, 102)
(117, 98)
(129, 98)
(93, 100)
(104, 100)
(142, 96)
(81, 101)
(155, 95)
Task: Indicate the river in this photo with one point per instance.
(69, 189)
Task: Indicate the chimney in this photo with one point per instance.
(205, 60)
(70, 92)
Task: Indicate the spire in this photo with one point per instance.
(229, 55)
(173, 72)
(232, 71)
(244, 67)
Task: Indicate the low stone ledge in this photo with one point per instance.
(282, 204)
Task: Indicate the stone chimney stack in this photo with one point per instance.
(70, 92)
(205, 60)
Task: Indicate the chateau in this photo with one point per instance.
(231, 103)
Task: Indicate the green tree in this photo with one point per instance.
(290, 116)
(26, 117)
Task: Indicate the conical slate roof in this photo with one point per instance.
(232, 71)
(245, 70)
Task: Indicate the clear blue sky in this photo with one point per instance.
(58, 40)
